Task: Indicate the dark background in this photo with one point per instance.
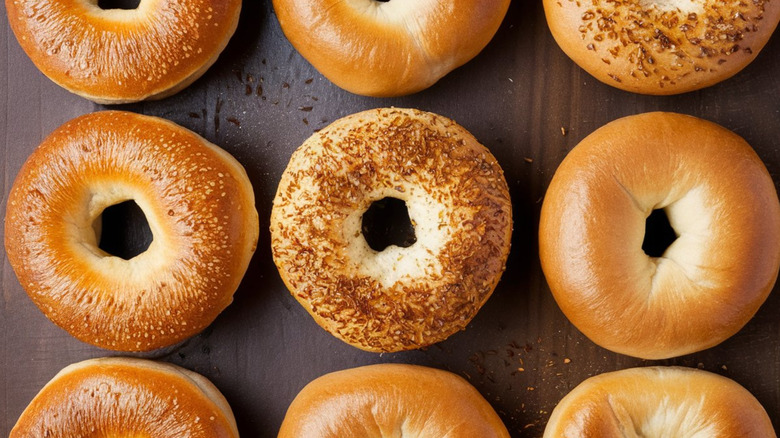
(261, 100)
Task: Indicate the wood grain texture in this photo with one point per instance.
(261, 100)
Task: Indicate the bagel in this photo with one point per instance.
(391, 400)
(127, 397)
(721, 203)
(659, 402)
(115, 56)
(199, 205)
(389, 48)
(398, 298)
(662, 46)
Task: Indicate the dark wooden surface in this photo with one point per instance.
(261, 100)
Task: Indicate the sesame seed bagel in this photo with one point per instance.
(659, 402)
(662, 46)
(124, 397)
(389, 48)
(398, 298)
(704, 287)
(117, 56)
(199, 205)
(391, 400)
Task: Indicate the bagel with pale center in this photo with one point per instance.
(118, 56)
(722, 205)
(118, 397)
(390, 400)
(659, 402)
(662, 46)
(199, 205)
(397, 298)
(389, 48)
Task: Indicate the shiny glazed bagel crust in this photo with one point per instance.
(659, 402)
(719, 199)
(118, 56)
(389, 48)
(398, 298)
(197, 200)
(391, 400)
(118, 397)
(662, 46)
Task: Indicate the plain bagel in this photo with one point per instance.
(119, 56)
(719, 199)
(659, 402)
(199, 205)
(127, 397)
(662, 46)
(390, 400)
(389, 48)
(397, 298)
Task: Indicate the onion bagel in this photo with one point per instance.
(391, 400)
(719, 199)
(112, 397)
(118, 56)
(389, 48)
(200, 208)
(659, 402)
(398, 298)
(662, 46)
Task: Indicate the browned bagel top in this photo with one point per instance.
(389, 48)
(112, 397)
(721, 203)
(659, 402)
(116, 56)
(399, 298)
(662, 46)
(391, 400)
(196, 198)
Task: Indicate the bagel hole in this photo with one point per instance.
(386, 223)
(659, 234)
(119, 4)
(124, 230)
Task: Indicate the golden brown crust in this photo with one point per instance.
(718, 197)
(659, 401)
(410, 155)
(662, 46)
(119, 56)
(200, 207)
(391, 48)
(127, 397)
(391, 400)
